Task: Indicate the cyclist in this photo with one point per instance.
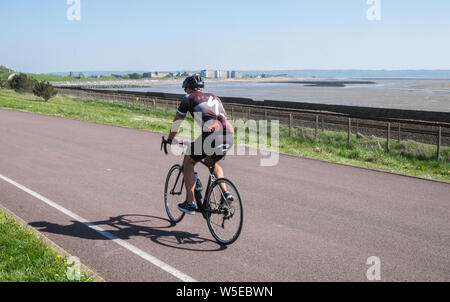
(216, 139)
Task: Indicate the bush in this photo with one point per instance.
(22, 83)
(135, 76)
(4, 84)
(44, 90)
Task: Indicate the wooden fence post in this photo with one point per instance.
(349, 131)
(439, 144)
(388, 137)
(290, 124)
(316, 133)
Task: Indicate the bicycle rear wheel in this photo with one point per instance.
(226, 218)
(174, 193)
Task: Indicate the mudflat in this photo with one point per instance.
(413, 94)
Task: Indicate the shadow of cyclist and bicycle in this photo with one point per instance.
(126, 227)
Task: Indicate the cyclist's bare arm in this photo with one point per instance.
(176, 125)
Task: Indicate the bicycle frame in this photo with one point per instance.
(211, 180)
(208, 204)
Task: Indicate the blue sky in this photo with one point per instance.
(36, 36)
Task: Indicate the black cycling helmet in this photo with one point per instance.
(194, 82)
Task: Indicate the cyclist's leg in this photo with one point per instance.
(194, 155)
(189, 178)
(217, 145)
(218, 171)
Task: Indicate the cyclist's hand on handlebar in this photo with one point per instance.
(166, 142)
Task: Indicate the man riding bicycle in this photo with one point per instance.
(216, 139)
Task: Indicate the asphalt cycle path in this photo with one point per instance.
(97, 191)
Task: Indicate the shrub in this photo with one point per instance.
(44, 90)
(4, 84)
(22, 83)
(135, 76)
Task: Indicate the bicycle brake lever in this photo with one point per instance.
(165, 149)
(164, 144)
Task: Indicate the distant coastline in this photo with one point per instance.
(437, 74)
(417, 94)
(122, 84)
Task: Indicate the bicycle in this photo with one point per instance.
(224, 217)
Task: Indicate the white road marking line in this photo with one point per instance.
(164, 266)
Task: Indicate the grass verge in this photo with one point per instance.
(58, 78)
(409, 158)
(27, 258)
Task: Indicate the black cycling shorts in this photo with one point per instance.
(213, 144)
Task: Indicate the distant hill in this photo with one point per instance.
(5, 72)
(3, 69)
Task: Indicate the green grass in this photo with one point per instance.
(94, 111)
(410, 158)
(5, 75)
(57, 78)
(27, 258)
(407, 157)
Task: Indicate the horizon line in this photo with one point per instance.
(243, 70)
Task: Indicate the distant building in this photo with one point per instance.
(236, 75)
(221, 74)
(207, 74)
(160, 74)
(157, 74)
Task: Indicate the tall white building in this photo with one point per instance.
(207, 73)
(220, 74)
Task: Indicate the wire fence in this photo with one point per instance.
(296, 121)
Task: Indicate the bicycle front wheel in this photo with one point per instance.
(174, 193)
(225, 218)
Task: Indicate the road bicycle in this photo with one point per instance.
(224, 217)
